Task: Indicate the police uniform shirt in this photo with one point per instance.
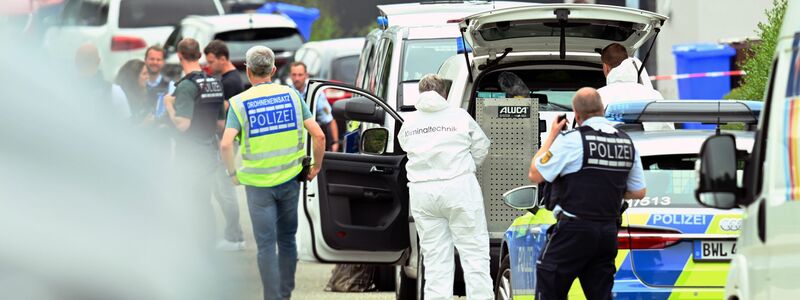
(566, 156)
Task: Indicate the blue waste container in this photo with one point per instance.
(701, 58)
(302, 16)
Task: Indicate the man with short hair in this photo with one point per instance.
(299, 75)
(195, 110)
(623, 82)
(217, 59)
(590, 170)
(157, 84)
(445, 146)
(271, 121)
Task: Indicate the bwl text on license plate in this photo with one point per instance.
(714, 250)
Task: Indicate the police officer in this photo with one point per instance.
(271, 120)
(194, 110)
(590, 170)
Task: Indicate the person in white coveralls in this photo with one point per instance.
(445, 146)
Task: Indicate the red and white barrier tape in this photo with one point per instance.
(697, 75)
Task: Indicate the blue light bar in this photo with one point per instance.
(685, 111)
(460, 46)
(383, 22)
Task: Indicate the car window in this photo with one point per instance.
(594, 29)
(385, 69)
(364, 62)
(311, 58)
(277, 39)
(344, 69)
(423, 57)
(85, 13)
(671, 180)
(151, 13)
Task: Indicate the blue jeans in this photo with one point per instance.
(273, 211)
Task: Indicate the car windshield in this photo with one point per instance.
(422, 57)
(152, 13)
(671, 180)
(277, 39)
(557, 100)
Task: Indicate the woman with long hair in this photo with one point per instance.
(131, 78)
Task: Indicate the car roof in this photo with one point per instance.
(414, 14)
(338, 47)
(682, 141)
(242, 21)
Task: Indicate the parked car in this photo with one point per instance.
(120, 29)
(500, 40)
(335, 60)
(669, 245)
(766, 261)
(240, 32)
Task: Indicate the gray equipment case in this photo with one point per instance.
(512, 124)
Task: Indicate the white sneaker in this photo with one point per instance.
(225, 245)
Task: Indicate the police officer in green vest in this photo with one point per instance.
(270, 120)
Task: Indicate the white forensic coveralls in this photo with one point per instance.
(444, 146)
(622, 85)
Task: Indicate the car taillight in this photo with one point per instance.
(333, 94)
(646, 238)
(126, 43)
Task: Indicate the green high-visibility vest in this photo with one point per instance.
(272, 136)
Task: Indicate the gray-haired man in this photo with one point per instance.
(272, 120)
(445, 146)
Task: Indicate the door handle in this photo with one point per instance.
(381, 170)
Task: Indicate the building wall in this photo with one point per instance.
(693, 21)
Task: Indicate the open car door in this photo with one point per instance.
(357, 207)
(558, 28)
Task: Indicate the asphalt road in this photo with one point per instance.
(310, 278)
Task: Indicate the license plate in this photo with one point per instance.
(714, 250)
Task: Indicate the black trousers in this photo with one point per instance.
(577, 249)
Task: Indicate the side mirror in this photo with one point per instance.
(359, 109)
(524, 197)
(716, 176)
(374, 140)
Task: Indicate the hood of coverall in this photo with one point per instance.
(625, 72)
(430, 101)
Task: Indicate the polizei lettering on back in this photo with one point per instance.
(608, 152)
(513, 112)
(272, 114)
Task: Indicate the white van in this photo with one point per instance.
(356, 210)
(767, 260)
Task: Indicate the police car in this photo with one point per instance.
(669, 245)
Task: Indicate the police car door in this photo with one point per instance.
(357, 207)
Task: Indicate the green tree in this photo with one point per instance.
(758, 60)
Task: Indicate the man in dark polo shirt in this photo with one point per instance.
(217, 55)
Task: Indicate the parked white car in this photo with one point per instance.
(767, 257)
(240, 32)
(120, 29)
(356, 210)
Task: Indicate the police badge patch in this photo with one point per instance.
(546, 157)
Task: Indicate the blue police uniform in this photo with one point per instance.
(588, 170)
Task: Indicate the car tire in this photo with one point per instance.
(502, 284)
(405, 288)
(384, 278)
